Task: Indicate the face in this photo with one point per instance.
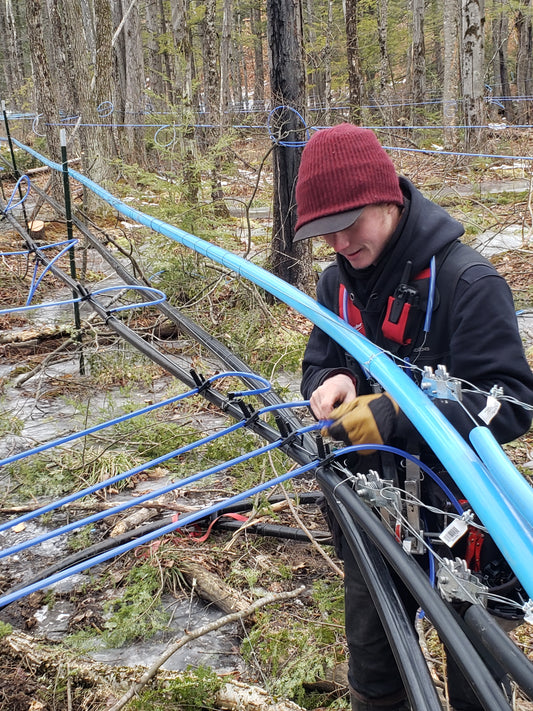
(365, 239)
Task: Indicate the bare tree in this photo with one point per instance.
(11, 51)
(157, 75)
(418, 59)
(451, 71)
(473, 23)
(384, 72)
(524, 60)
(290, 261)
(500, 60)
(256, 27)
(44, 87)
(355, 79)
(226, 56)
(129, 100)
(181, 33)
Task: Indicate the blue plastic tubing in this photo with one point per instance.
(169, 528)
(495, 505)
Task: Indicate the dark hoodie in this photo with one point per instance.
(473, 331)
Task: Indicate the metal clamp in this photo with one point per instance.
(438, 384)
(456, 582)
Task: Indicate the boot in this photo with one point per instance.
(392, 702)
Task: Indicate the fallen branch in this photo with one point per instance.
(211, 587)
(199, 632)
(241, 697)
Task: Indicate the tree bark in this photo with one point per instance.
(226, 57)
(524, 62)
(418, 62)
(355, 80)
(158, 78)
(289, 261)
(44, 87)
(473, 19)
(130, 80)
(256, 27)
(500, 57)
(181, 32)
(451, 71)
(13, 57)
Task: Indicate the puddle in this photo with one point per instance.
(217, 649)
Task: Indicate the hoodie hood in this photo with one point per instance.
(424, 230)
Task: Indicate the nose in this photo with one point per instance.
(337, 240)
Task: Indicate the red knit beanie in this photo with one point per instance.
(342, 169)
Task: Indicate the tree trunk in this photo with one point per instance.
(418, 62)
(212, 100)
(355, 79)
(473, 21)
(328, 51)
(12, 55)
(157, 77)
(184, 58)
(129, 83)
(451, 72)
(226, 58)
(44, 87)
(502, 88)
(524, 63)
(102, 142)
(256, 26)
(292, 262)
(382, 40)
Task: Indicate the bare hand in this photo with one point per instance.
(333, 391)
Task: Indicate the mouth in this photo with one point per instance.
(352, 255)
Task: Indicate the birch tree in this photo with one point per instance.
(473, 22)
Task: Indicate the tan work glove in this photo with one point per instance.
(367, 419)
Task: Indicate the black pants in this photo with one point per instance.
(373, 671)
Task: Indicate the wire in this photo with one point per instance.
(147, 538)
(10, 206)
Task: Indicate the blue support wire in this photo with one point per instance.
(192, 479)
(9, 205)
(170, 528)
(128, 416)
(36, 281)
(52, 506)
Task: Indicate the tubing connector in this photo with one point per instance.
(457, 583)
(199, 380)
(440, 385)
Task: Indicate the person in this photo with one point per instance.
(391, 245)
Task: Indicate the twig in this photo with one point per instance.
(312, 540)
(199, 632)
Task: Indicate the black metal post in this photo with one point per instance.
(72, 262)
(14, 162)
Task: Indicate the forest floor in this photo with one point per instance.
(272, 650)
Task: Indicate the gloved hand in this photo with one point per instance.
(368, 418)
